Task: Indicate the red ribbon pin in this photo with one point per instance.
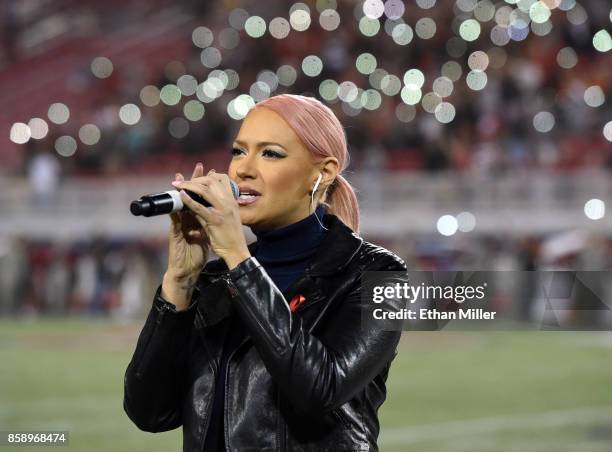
(296, 302)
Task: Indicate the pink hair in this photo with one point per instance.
(322, 134)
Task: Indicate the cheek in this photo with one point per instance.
(287, 184)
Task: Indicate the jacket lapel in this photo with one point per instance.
(340, 244)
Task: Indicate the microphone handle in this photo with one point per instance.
(163, 203)
(169, 202)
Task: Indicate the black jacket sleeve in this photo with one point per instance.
(315, 377)
(153, 379)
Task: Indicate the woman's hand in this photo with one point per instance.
(188, 246)
(221, 221)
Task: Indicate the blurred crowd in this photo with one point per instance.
(112, 278)
(491, 132)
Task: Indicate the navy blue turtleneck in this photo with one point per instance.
(284, 254)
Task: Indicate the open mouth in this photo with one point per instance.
(248, 197)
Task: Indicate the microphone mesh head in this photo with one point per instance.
(235, 189)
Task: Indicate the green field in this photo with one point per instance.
(448, 391)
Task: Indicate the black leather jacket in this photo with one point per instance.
(311, 380)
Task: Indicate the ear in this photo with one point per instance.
(329, 168)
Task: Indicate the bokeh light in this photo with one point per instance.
(543, 121)
(476, 80)
(371, 99)
(329, 20)
(287, 75)
(375, 78)
(20, 133)
(500, 35)
(89, 134)
(414, 77)
(602, 41)
(347, 91)
(390, 85)
(607, 131)
(567, 58)
(279, 28)
(478, 61)
(129, 114)
(58, 113)
(202, 37)
(300, 20)
(369, 27)
(193, 110)
(65, 146)
(430, 101)
(447, 225)
(402, 34)
(466, 221)
(255, 26)
(210, 57)
(452, 70)
(594, 96)
(38, 128)
(411, 94)
(259, 91)
(425, 4)
(539, 12)
(425, 28)
(484, 11)
(366, 63)
(269, 78)
(102, 67)
(594, 209)
(373, 9)
(328, 89)
(170, 94)
(323, 5)
(469, 30)
(149, 95)
(312, 65)
(467, 6)
(394, 9)
(187, 84)
(443, 86)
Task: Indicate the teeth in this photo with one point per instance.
(247, 196)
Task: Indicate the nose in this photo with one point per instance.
(246, 167)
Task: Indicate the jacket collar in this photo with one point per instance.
(339, 245)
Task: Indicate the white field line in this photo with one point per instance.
(408, 435)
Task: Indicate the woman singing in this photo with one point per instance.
(263, 349)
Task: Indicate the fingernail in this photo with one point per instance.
(177, 176)
(200, 164)
(176, 183)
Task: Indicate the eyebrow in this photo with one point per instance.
(259, 144)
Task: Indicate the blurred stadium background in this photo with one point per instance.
(480, 135)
